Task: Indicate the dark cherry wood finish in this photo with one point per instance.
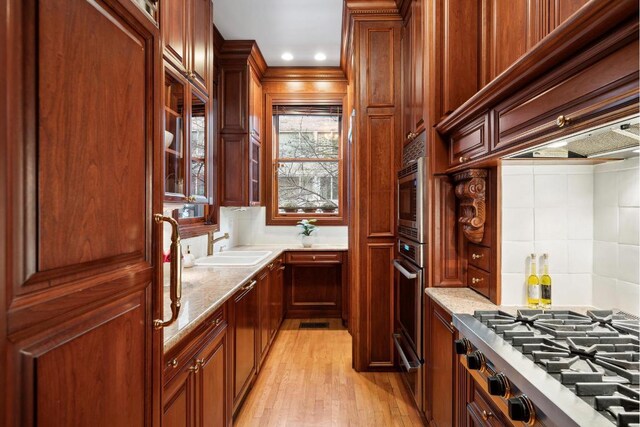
(78, 251)
(264, 308)
(276, 297)
(245, 316)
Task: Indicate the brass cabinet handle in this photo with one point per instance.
(486, 415)
(217, 322)
(476, 280)
(270, 266)
(250, 285)
(562, 121)
(196, 365)
(411, 136)
(281, 268)
(476, 256)
(191, 199)
(173, 363)
(463, 159)
(175, 291)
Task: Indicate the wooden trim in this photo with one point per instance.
(271, 197)
(584, 27)
(247, 50)
(304, 74)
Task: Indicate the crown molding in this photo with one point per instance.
(304, 74)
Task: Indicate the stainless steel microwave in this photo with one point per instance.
(412, 201)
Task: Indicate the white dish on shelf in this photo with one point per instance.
(168, 139)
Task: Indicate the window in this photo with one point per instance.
(307, 153)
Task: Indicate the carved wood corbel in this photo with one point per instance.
(471, 191)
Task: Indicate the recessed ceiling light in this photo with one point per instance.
(320, 56)
(557, 144)
(287, 56)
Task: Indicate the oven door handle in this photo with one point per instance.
(410, 367)
(406, 273)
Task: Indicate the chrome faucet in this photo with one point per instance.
(213, 241)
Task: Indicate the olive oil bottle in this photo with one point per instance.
(545, 283)
(533, 285)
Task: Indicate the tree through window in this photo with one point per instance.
(308, 157)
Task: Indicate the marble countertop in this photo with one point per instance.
(205, 289)
(466, 301)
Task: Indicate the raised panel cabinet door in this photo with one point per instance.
(245, 322)
(201, 43)
(407, 79)
(213, 381)
(234, 175)
(179, 400)
(255, 106)
(276, 295)
(234, 98)
(315, 291)
(442, 369)
(79, 196)
(175, 31)
(264, 285)
(417, 65)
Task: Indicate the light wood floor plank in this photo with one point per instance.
(307, 381)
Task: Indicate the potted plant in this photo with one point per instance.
(290, 207)
(307, 229)
(329, 207)
(310, 208)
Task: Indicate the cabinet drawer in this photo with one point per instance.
(607, 87)
(483, 411)
(479, 256)
(479, 280)
(470, 142)
(314, 258)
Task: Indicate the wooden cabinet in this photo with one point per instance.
(480, 410)
(441, 367)
(244, 320)
(470, 142)
(413, 70)
(276, 297)
(80, 183)
(187, 33)
(264, 308)
(314, 285)
(197, 378)
(241, 120)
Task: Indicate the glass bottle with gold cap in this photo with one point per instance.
(545, 283)
(533, 285)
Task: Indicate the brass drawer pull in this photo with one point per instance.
(281, 268)
(476, 256)
(476, 280)
(250, 285)
(314, 257)
(173, 363)
(562, 121)
(196, 365)
(217, 322)
(463, 159)
(175, 291)
(486, 415)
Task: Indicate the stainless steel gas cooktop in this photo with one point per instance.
(596, 356)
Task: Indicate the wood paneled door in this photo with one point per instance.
(80, 174)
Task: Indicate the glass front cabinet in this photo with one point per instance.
(188, 156)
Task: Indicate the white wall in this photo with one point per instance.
(587, 218)
(616, 235)
(548, 209)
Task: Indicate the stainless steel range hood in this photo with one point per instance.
(616, 140)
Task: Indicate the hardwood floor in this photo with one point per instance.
(307, 380)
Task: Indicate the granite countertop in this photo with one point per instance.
(466, 301)
(205, 289)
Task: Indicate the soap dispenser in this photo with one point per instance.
(188, 258)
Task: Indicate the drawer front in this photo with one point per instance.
(470, 142)
(605, 88)
(314, 257)
(479, 280)
(479, 256)
(484, 412)
(182, 354)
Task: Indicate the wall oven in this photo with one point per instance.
(409, 284)
(412, 201)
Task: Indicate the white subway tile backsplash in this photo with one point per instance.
(550, 223)
(517, 224)
(550, 191)
(580, 190)
(629, 226)
(580, 223)
(604, 292)
(508, 168)
(517, 192)
(605, 224)
(629, 188)
(571, 289)
(605, 189)
(514, 256)
(605, 258)
(580, 254)
(557, 250)
(628, 269)
(628, 297)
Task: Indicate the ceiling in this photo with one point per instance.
(300, 27)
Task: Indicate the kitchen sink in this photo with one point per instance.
(233, 258)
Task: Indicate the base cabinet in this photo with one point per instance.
(244, 320)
